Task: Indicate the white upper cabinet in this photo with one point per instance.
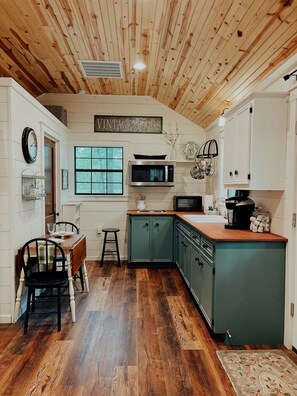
(255, 143)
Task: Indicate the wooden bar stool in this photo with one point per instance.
(113, 231)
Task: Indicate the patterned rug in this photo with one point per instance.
(260, 373)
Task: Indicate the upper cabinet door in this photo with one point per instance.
(255, 143)
(242, 145)
(237, 137)
(229, 147)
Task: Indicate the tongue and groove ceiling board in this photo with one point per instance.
(201, 55)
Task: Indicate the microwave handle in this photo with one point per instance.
(166, 173)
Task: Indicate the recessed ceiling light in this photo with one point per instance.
(139, 66)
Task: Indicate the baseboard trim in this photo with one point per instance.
(5, 319)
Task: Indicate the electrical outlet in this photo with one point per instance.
(99, 231)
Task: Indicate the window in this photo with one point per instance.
(98, 170)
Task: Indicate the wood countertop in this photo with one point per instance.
(217, 231)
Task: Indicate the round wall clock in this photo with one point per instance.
(29, 145)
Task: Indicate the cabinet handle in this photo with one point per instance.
(157, 224)
(230, 173)
(194, 237)
(205, 246)
(146, 224)
(200, 263)
(197, 259)
(236, 172)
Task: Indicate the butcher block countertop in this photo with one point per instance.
(217, 231)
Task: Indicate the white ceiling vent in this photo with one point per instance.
(101, 69)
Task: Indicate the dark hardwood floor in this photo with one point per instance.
(138, 332)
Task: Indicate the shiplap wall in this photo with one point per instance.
(19, 220)
(5, 208)
(99, 212)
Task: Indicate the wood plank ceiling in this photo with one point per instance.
(201, 55)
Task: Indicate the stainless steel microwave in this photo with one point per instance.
(152, 173)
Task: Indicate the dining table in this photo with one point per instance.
(74, 247)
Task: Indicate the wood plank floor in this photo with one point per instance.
(138, 332)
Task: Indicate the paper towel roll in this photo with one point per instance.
(208, 201)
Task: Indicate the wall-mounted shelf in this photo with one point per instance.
(32, 186)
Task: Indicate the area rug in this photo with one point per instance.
(260, 373)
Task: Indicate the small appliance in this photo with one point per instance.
(239, 210)
(189, 203)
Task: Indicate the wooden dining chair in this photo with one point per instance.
(44, 265)
(73, 228)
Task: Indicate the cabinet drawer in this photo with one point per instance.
(195, 238)
(207, 248)
(185, 230)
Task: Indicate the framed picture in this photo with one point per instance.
(64, 179)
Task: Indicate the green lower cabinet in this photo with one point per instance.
(202, 283)
(150, 239)
(239, 288)
(140, 239)
(186, 259)
(206, 286)
(180, 250)
(249, 292)
(196, 273)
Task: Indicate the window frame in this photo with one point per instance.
(105, 171)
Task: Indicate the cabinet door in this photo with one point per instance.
(162, 236)
(206, 289)
(196, 273)
(242, 149)
(229, 147)
(181, 252)
(178, 247)
(139, 240)
(237, 136)
(187, 260)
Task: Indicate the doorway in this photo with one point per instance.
(50, 181)
(293, 298)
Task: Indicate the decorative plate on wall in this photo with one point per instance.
(190, 150)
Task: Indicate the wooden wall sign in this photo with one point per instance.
(128, 124)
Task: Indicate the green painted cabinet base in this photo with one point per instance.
(150, 239)
(238, 286)
(249, 285)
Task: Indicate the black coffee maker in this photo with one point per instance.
(239, 210)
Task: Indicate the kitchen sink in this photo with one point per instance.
(206, 218)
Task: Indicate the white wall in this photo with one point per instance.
(112, 211)
(6, 294)
(20, 220)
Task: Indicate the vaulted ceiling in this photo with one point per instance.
(201, 55)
